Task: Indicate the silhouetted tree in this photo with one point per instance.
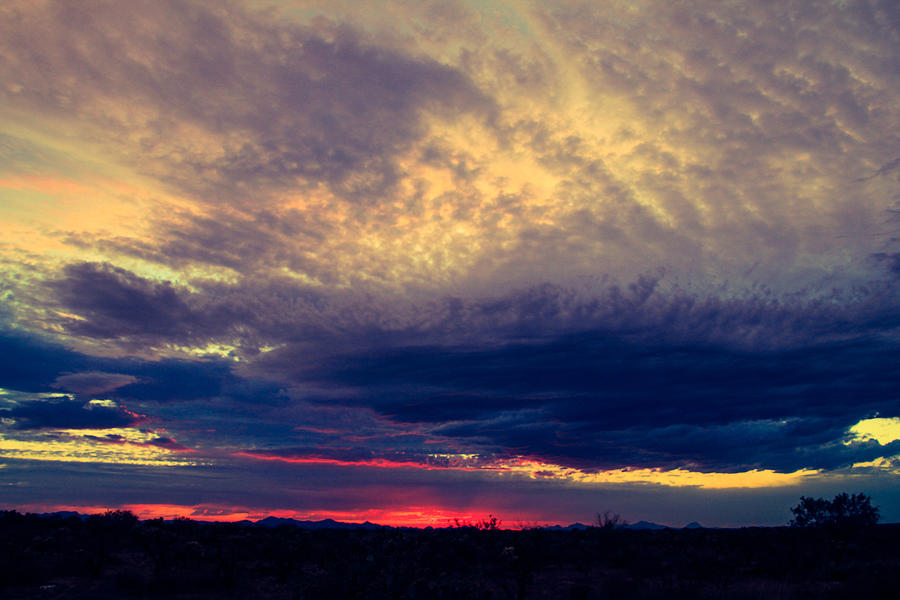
(608, 520)
(492, 523)
(845, 511)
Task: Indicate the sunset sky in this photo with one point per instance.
(413, 261)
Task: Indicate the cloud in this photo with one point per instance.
(892, 260)
(34, 364)
(115, 303)
(93, 382)
(595, 377)
(590, 235)
(882, 170)
(642, 378)
(226, 102)
(65, 413)
(103, 302)
(31, 363)
(320, 149)
(348, 159)
(590, 401)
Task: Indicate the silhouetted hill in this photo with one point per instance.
(64, 514)
(643, 525)
(323, 524)
(572, 527)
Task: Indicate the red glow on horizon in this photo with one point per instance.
(414, 516)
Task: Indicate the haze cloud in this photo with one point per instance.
(93, 382)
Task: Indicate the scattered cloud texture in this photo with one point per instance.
(434, 259)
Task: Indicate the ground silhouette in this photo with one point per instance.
(118, 556)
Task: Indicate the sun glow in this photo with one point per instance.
(411, 516)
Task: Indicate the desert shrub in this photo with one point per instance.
(492, 523)
(844, 511)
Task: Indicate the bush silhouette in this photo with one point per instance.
(492, 523)
(845, 511)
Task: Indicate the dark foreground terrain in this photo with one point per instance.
(116, 556)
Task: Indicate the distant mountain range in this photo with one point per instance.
(323, 524)
(332, 524)
(644, 525)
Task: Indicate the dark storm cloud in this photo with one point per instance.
(171, 379)
(30, 363)
(592, 401)
(641, 378)
(33, 364)
(643, 374)
(740, 445)
(116, 303)
(63, 413)
(545, 328)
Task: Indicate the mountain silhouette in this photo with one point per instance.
(644, 525)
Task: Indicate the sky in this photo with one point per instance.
(408, 262)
